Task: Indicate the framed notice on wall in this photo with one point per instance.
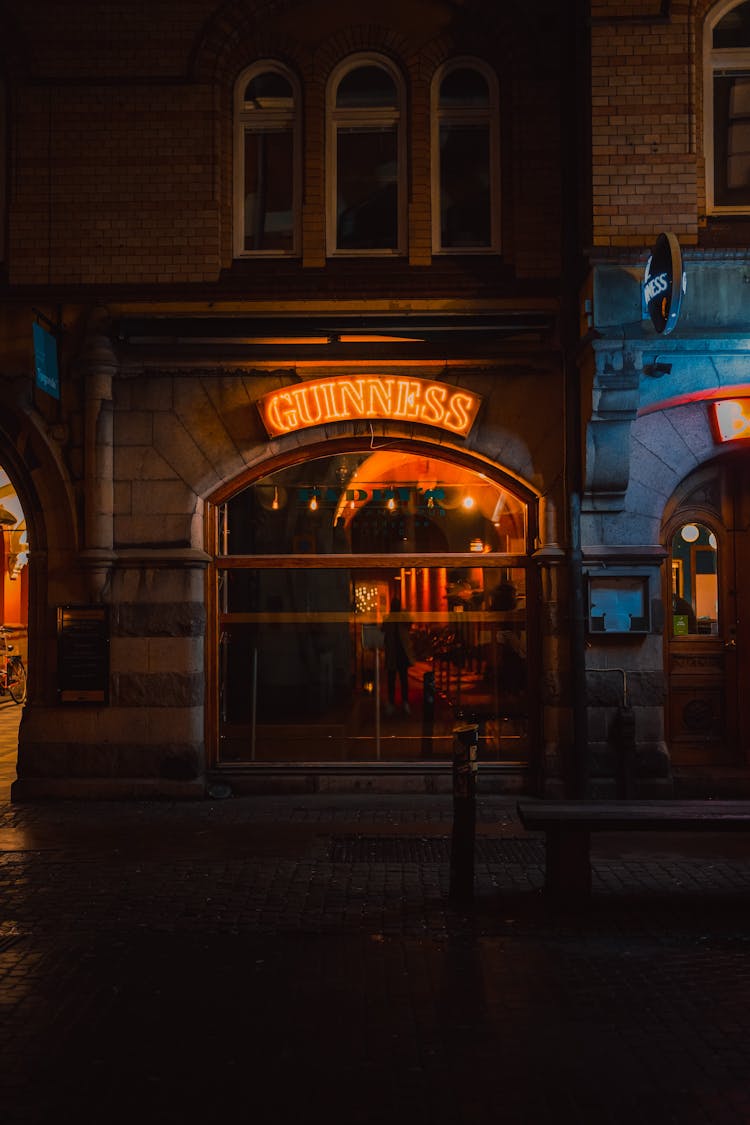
(83, 654)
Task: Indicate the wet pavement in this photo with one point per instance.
(297, 959)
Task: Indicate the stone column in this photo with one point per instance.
(98, 364)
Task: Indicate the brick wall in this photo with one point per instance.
(121, 153)
(644, 166)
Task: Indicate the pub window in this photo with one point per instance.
(267, 158)
(317, 561)
(727, 109)
(465, 158)
(366, 158)
(695, 581)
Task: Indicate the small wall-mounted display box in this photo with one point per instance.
(618, 603)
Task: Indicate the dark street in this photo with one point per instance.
(296, 959)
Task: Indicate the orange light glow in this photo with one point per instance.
(732, 419)
(319, 402)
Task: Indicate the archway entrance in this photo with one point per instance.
(707, 534)
(366, 600)
(14, 616)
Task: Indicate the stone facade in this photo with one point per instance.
(121, 216)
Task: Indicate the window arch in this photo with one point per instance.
(465, 158)
(366, 166)
(267, 161)
(726, 51)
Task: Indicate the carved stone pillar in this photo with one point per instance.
(614, 405)
(98, 364)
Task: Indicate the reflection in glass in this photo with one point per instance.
(465, 218)
(695, 584)
(382, 502)
(305, 676)
(367, 200)
(302, 654)
(269, 178)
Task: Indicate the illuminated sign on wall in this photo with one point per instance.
(732, 419)
(341, 399)
(664, 283)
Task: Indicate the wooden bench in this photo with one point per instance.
(568, 826)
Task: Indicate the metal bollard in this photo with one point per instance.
(428, 713)
(464, 813)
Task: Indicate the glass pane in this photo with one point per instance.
(464, 87)
(269, 171)
(373, 664)
(465, 186)
(382, 502)
(734, 29)
(732, 139)
(365, 87)
(367, 201)
(269, 91)
(695, 583)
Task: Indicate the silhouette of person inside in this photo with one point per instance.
(399, 656)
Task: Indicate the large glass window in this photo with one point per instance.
(727, 116)
(365, 158)
(465, 158)
(266, 159)
(366, 603)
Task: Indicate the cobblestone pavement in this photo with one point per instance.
(296, 959)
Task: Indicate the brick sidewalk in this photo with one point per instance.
(296, 959)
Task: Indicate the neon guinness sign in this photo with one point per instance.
(732, 419)
(321, 401)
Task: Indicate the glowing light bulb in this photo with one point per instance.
(468, 502)
(275, 501)
(391, 505)
(314, 504)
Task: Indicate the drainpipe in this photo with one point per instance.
(98, 365)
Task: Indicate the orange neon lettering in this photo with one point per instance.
(353, 391)
(457, 417)
(434, 401)
(282, 422)
(407, 399)
(336, 399)
(329, 397)
(380, 394)
(303, 397)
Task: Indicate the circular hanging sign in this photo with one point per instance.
(664, 283)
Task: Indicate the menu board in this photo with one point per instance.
(83, 654)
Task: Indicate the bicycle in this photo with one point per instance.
(12, 670)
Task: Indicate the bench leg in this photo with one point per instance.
(568, 870)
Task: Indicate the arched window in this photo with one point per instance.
(267, 161)
(465, 158)
(727, 108)
(310, 561)
(366, 158)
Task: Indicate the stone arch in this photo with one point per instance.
(666, 446)
(34, 464)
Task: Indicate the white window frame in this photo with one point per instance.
(382, 117)
(466, 115)
(258, 121)
(716, 59)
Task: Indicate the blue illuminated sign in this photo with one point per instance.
(46, 373)
(664, 283)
